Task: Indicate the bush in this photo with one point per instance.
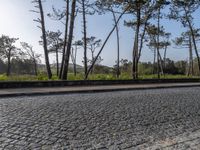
(102, 77)
(72, 77)
(3, 77)
(42, 77)
(125, 76)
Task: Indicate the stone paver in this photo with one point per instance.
(143, 119)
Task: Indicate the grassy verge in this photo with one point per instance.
(71, 77)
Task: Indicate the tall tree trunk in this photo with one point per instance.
(57, 63)
(136, 45)
(195, 46)
(35, 67)
(192, 63)
(75, 72)
(8, 65)
(158, 44)
(118, 46)
(161, 63)
(143, 35)
(142, 38)
(68, 51)
(84, 39)
(134, 54)
(65, 38)
(165, 56)
(74, 68)
(164, 60)
(49, 73)
(154, 61)
(73, 58)
(92, 52)
(191, 68)
(193, 38)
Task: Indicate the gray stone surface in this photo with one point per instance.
(141, 119)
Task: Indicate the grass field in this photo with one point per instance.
(71, 77)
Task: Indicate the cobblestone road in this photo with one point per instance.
(148, 119)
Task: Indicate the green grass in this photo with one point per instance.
(80, 76)
(167, 76)
(3, 77)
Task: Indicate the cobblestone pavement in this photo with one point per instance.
(140, 119)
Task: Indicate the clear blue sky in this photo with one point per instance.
(16, 20)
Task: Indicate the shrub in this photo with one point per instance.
(3, 77)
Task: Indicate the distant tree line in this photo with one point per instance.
(145, 19)
(181, 67)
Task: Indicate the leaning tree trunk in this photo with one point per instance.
(143, 36)
(68, 51)
(84, 38)
(65, 38)
(193, 38)
(49, 73)
(106, 40)
(195, 45)
(118, 47)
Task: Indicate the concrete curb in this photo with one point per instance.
(82, 91)
(38, 84)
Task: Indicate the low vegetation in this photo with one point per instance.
(147, 70)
